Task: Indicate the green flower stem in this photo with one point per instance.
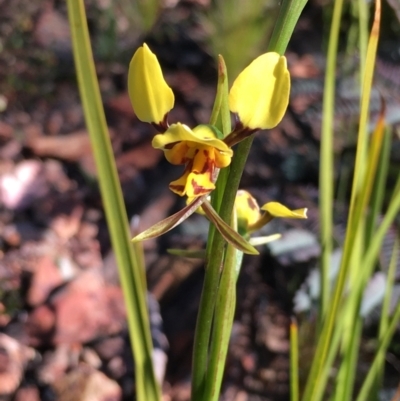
(287, 19)
(211, 281)
(289, 14)
(130, 267)
(224, 314)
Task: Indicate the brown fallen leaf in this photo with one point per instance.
(72, 147)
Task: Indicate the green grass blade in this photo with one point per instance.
(348, 367)
(359, 201)
(326, 158)
(363, 30)
(391, 276)
(384, 321)
(378, 193)
(130, 272)
(391, 213)
(294, 361)
(374, 369)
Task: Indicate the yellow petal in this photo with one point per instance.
(192, 185)
(201, 136)
(197, 178)
(276, 209)
(260, 94)
(150, 95)
(180, 153)
(247, 209)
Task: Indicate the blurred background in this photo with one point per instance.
(63, 333)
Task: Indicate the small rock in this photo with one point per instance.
(52, 30)
(87, 384)
(24, 185)
(40, 325)
(11, 236)
(27, 394)
(87, 309)
(66, 226)
(10, 150)
(55, 123)
(56, 363)
(6, 130)
(108, 347)
(13, 358)
(46, 277)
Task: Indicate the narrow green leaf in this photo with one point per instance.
(383, 345)
(359, 200)
(375, 150)
(326, 159)
(378, 190)
(230, 235)
(294, 361)
(130, 267)
(385, 314)
(170, 222)
(224, 314)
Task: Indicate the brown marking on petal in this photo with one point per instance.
(238, 134)
(198, 189)
(188, 167)
(252, 203)
(208, 167)
(164, 123)
(177, 188)
(170, 145)
(206, 153)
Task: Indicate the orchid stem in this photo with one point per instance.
(212, 278)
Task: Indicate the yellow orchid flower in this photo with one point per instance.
(249, 213)
(259, 97)
(260, 94)
(201, 151)
(247, 209)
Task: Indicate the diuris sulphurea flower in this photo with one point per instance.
(259, 98)
(249, 214)
(201, 152)
(199, 149)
